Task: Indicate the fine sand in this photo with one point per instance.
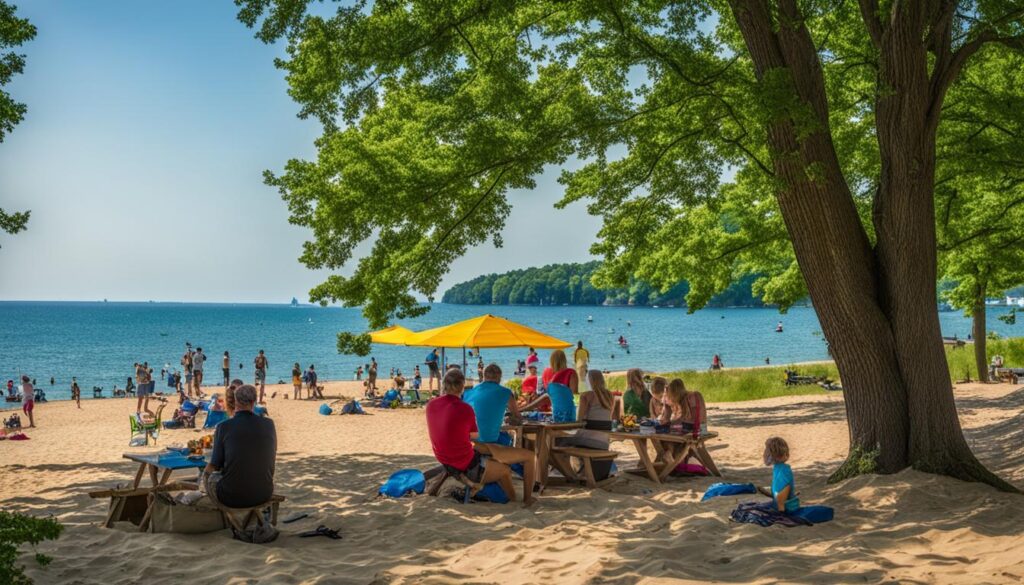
(907, 528)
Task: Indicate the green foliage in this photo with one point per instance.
(961, 361)
(570, 284)
(515, 385)
(434, 112)
(18, 529)
(860, 461)
(740, 384)
(980, 186)
(354, 343)
(14, 32)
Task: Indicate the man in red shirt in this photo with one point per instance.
(451, 424)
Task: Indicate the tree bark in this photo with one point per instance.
(876, 305)
(978, 327)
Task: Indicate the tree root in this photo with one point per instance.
(859, 462)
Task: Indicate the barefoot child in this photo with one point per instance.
(776, 454)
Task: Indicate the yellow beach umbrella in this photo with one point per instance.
(485, 331)
(394, 335)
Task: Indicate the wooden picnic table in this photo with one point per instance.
(666, 458)
(159, 467)
(545, 434)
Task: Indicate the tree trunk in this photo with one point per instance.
(876, 306)
(978, 327)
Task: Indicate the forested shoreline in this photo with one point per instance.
(569, 284)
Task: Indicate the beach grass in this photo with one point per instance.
(736, 385)
(961, 360)
(739, 384)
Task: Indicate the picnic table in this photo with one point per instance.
(159, 466)
(545, 433)
(666, 458)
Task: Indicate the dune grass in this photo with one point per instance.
(736, 385)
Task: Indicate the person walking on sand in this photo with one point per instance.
(297, 380)
(28, 400)
(186, 364)
(371, 375)
(261, 364)
(142, 390)
(312, 391)
(225, 367)
(76, 392)
(197, 370)
(432, 363)
(581, 359)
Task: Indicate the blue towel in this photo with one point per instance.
(403, 482)
(214, 418)
(814, 514)
(728, 489)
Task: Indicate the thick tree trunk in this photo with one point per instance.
(876, 306)
(978, 327)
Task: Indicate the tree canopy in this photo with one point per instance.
(14, 32)
(791, 139)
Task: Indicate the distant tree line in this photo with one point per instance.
(570, 284)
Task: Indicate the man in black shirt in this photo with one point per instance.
(240, 473)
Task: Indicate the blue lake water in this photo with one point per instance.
(99, 342)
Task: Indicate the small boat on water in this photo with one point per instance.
(566, 321)
(778, 328)
(590, 318)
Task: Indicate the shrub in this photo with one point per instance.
(17, 529)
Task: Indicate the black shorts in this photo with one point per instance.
(227, 372)
(474, 471)
(433, 368)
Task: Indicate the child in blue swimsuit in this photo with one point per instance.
(776, 454)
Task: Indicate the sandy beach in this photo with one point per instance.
(910, 527)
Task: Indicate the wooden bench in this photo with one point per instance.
(254, 512)
(436, 481)
(561, 459)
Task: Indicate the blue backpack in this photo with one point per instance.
(402, 483)
(325, 409)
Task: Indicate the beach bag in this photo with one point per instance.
(391, 396)
(325, 410)
(728, 489)
(492, 493)
(260, 410)
(814, 514)
(404, 482)
(197, 518)
(352, 407)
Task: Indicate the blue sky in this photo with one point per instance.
(149, 127)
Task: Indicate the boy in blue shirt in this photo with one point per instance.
(776, 453)
(489, 400)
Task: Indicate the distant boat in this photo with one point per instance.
(654, 306)
(162, 334)
(566, 321)
(295, 302)
(590, 318)
(778, 328)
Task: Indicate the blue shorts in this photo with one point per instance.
(142, 390)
